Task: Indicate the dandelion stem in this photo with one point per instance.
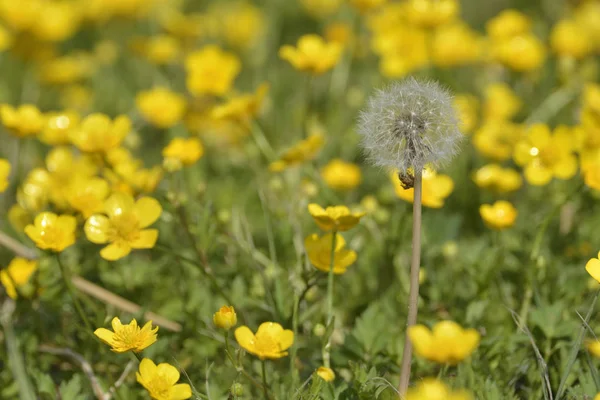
(330, 275)
(264, 380)
(414, 283)
(67, 279)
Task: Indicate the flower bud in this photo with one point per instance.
(225, 318)
(237, 389)
(326, 374)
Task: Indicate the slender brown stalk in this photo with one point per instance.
(413, 298)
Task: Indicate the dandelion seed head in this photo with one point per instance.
(410, 124)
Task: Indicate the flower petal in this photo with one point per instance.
(593, 268)
(105, 335)
(181, 391)
(245, 338)
(148, 210)
(147, 239)
(169, 372)
(269, 329)
(116, 324)
(147, 369)
(286, 339)
(119, 203)
(95, 229)
(114, 251)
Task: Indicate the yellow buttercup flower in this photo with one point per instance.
(161, 107)
(242, 24)
(341, 175)
(225, 318)
(593, 267)
(432, 389)
(58, 21)
(70, 68)
(494, 177)
(97, 133)
(185, 151)
(4, 174)
(318, 249)
(432, 13)
(500, 215)
(569, 38)
(436, 188)
(545, 155)
(302, 151)
(87, 195)
(467, 107)
(364, 6)
(312, 54)
(522, 53)
(19, 217)
(52, 232)
(500, 102)
(446, 343)
(597, 397)
(455, 44)
(497, 139)
(593, 347)
(326, 374)
(17, 274)
(210, 70)
(128, 337)
(162, 49)
(161, 381)
(591, 175)
(336, 218)
(242, 108)
(22, 121)
(123, 225)
(58, 127)
(270, 342)
(508, 23)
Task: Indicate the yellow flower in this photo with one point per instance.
(455, 44)
(242, 24)
(4, 174)
(242, 108)
(501, 102)
(403, 49)
(432, 13)
(123, 225)
(25, 120)
(364, 6)
(6, 39)
(87, 195)
(435, 189)
(270, 342)
(210, 70)
(161, 49)
(545, 156)
(19, 218)
(302, 151)
(447, 343)
(326, 374)
(522, 53)
(312, 54)
(340, 175)
(508, 23)
(127, 337)
(58, 127)
(161, 381)
(318, 249)
(499, 215)
(597, 397)
(593, 267)
(337, 218)
(591, 175)
(432, 389)
(97, 133)
(494, 177)
(186, 151)
(58, 21)
(593, 347)
(161, 107)
(52, 232)
(467, 107)
(569, 38)
(17, 274)
(225, 318)
(497, 139)
(69, 68)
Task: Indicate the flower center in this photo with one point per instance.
(124, 227)
(127, 336)
(266, 344)
(159, 388)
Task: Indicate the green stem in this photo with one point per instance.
(330, 276)
(227, 351)
(67, 280)
(137, 355)
(576, 347)
(413, 296)
(264, 380)
(293, 350)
